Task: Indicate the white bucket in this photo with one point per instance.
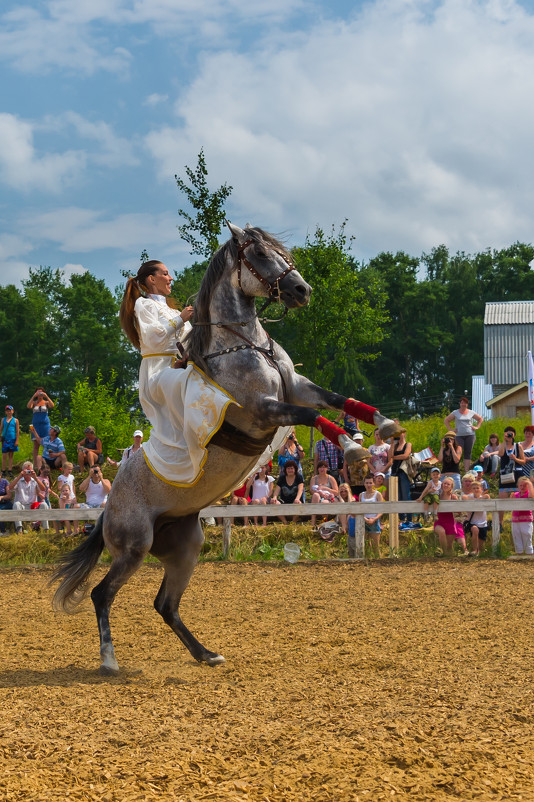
(291, 552)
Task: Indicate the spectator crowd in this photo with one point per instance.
(506, 467)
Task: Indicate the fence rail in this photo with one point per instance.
(359, 508)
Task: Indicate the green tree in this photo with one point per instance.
(202, 231)
(342, 326)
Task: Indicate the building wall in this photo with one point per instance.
(505, 353)
(513, 405)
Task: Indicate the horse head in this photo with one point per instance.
(271, 272)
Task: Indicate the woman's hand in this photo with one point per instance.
(187, 313)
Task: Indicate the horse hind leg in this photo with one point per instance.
(122, 568)
(177, 544)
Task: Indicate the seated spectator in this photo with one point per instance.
(354, 473)
(512, 461)
(522, 519)
(527, 444)
(489, 459)
(323, 486)
(477, 522)
(240, 496)
(325, 451)
(96, 489)
(5, 500)
(90, 450)
(477, 472)
(260, 490)
(430, 494)
(372, 522)
(289, 488)
(130, 451)
(25, 487)
(9, 429)
(446, 528)
(450, 455)
(53, 448)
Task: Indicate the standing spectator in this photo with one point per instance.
(25, 487)
(345, 496)
(372, 522)
(446, 528)
(5, 501)
(325, 451)
(260, 488)
(53, 448)
(379, 451)
(527, 444)
(40, 404)
(489, 459)
(354, 473)
(89, 449)
(10, 440)
(130, 451)
(349, 423)
(450, 455)
(477, 523)
(512, 461)
(67, 495)
(291, 450)
(399, 451)
(465, 428)
(289, 488)
(96, 489)
(522, 519)
(323, 486)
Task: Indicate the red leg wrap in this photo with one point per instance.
(329, 429)
(359, 411)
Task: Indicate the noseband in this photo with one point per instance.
(273, 287)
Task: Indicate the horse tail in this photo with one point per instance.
(75, 568)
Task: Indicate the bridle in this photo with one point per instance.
(272, 287)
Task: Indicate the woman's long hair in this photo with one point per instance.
(135, 288)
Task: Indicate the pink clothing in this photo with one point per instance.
(521, 515)
(451, 527)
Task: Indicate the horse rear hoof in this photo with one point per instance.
(214, 659)
(108, 671)
(390, 428)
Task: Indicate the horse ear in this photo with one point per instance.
(237, 233)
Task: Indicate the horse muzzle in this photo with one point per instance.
(294, 291)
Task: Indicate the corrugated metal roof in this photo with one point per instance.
(508, 312)
(480, 393)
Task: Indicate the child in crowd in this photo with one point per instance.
(372, 522)
(522, 519)
(67, 495)
(445, 527)
(430, 494)
(380, 484)
(477, 523)
(478, 470)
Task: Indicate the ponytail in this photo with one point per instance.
(135, 288)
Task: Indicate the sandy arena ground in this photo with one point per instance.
(342, 682)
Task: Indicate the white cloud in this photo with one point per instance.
(22, 168)
(412, 120)
(114, 151)
(155, 99)
(70, 270)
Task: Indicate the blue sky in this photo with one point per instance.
(414, 119)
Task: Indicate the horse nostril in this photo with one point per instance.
(302, 290)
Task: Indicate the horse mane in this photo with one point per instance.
(198, 339)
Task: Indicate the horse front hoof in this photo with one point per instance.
(387, 427)
(213, 659)
(108, 671)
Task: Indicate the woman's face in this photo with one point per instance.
(447, 485)
(322, 469)
(528, 436)
(159, 283)
(290, 470)
(463, 405)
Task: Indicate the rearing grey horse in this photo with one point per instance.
(144, 514)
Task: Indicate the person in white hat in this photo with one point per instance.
(130, 451)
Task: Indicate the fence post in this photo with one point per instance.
(359, 537)
(495, 531)
(393, 495)
(227, 534)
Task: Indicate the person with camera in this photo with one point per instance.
(25, 487)
(40, 404)
(96, 489)
(450, 455)
(512, 459)
(466, 423)
(291, 450)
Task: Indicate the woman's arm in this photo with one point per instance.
(449, 419)
(17, 431)
(521, 459)
(457, 453)
(98, 445)
(300, 491)
(479, 419)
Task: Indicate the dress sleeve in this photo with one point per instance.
(156, 333)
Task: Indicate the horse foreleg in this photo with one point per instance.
(306, 393)
(178, 546)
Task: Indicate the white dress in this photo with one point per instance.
(184, 407)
